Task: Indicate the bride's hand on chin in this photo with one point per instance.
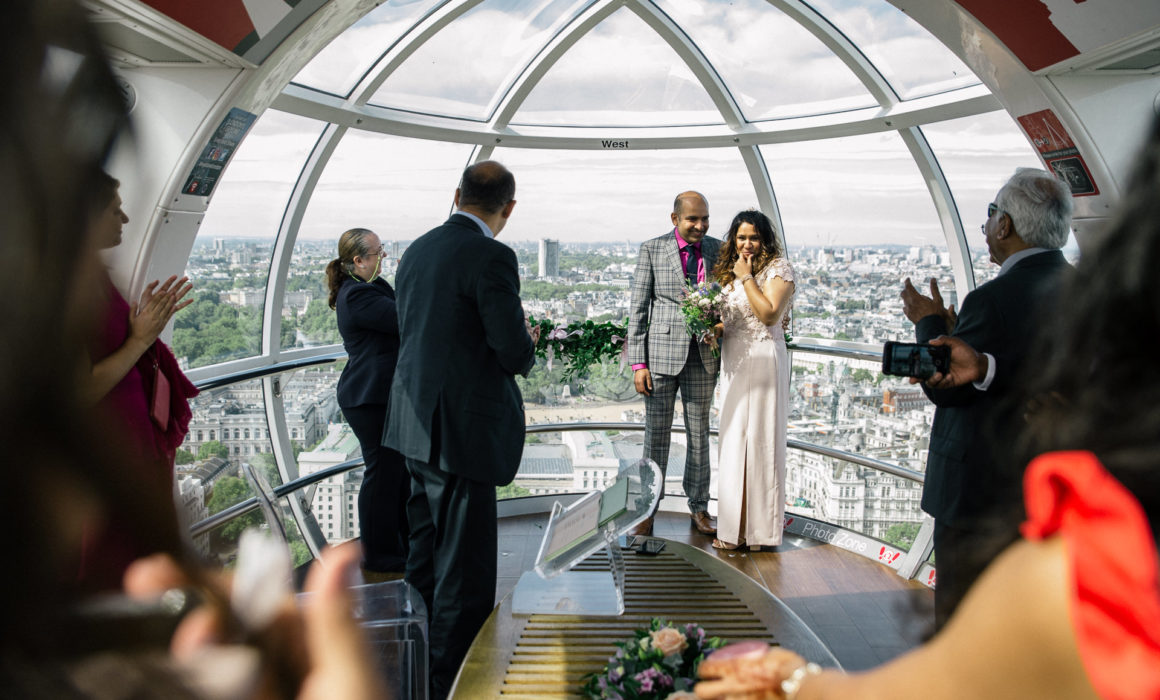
(743, 266)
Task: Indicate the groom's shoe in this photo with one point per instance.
(644, 529)
(704, 523)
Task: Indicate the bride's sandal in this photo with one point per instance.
(718, 544)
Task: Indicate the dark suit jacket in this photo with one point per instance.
(464, 340)
(968, 473)
(369, 325)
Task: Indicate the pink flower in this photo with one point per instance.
(669, 641)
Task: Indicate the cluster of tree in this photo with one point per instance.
(319, 324)
(866, 376)
(901, 535)
(229, 491)
(591, 261)
(208, 331)
(540, 290)
(511, 491)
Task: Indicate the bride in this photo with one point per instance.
(758, 287)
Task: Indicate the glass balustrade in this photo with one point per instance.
(857, 440)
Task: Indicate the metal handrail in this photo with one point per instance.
(267, 370)
(812, 346)
(291, 487)
(892, 469)
(281, 491)
(837, 348)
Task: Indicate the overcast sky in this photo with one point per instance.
(847, 191)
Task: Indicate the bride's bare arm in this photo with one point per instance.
(768, 302)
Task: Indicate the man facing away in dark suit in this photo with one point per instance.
(665, 357)
(455, 411)
(967, 482)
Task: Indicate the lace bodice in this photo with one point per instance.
(737, 314)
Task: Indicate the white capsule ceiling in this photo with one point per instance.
(445, 78)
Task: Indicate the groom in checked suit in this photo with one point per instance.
(665, 357)
(968, 481)
(455, 411)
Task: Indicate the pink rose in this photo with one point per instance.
(669, 641)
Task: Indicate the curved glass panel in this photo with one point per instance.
(338, 67)
(858, 220)
(221, 543)
(307, 319)
(977, 155)
(464, 69)
(908, 56)
(773, 66)
(371, 181)
(319, 439)
(228, 429)
(399, 188)
(851, 406)
(230, 261)
(854, 497)
(619, 198)
(619, 74)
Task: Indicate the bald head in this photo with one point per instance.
(685, 198)
(691, 216)
(486, 187)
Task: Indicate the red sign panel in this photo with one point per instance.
(1059, 152)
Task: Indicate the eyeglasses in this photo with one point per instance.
(378, 252)
(992, 209)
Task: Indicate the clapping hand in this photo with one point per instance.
(158, 303)
(917, 307)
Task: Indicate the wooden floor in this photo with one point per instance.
(865, 612)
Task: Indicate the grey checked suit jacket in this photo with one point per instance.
(656, 329)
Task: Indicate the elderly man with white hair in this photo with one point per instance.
(966, 477)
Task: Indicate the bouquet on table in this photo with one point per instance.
(660, 661)
(701, 308)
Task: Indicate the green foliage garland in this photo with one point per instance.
(580, 345)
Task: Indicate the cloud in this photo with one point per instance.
(862, 189)
(347, 57)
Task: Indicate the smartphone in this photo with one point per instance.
(915, 359)
(651, 546)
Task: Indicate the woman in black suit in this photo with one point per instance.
(369, 325)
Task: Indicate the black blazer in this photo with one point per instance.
(464, 340)
(968, 471)
(369, 325)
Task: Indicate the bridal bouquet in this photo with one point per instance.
(701, 308)
(660, 661)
